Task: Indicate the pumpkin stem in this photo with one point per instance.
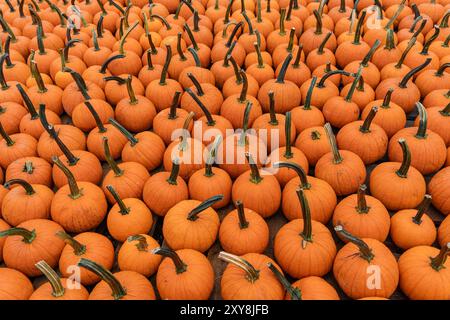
(98, 121)
(290, 45)
(251, 31)
(226, 19)
(364, 250)
(37, 76)
(403, 83)
(124, 37)
(255, 176)
(183, 145)
(422, 129)
(113, 3)
(259, 55)
(440, 71)
(162, 80)
(419, 30)
(446, 111)
(387, 99)
(315, 135)
(66, 48)
(323, 43)
(75, 192)
(118, 292)
(196, 84)
(243, 137)
(391, 21)
(123, 209)
(258, 11)
(318, 22)
(427, 44)
(181, 55)
(288, 154)
(209, 119)
(149, 60)
(289, 10)
(321, 83)
(142, 244)
(362, 203)
(28, 167)
(304, 184)
(298, 56)
(99, 26)
(307, 105)
(131, 138)
(444, 21)
(110, 160)
(27, 235)
(243, 223)
(7, 28)
(282, 29)
(252, 275)
(153, 48)
(5, 136)
(228, 54)
(357, 37)
(337, 158)
(193, 215)
(411, 43)
(446, 42)
(174, 106)
(174, 172)
(293, 292)
(131, 94)
(368, 56)
(243, 95)
(194, 54)
(212, 156)
(355, 82)
(365, 128)
(24, 184)
(79, 81)
(268, 8)
(306, 234)
(284, 67)
(402, 172)
(414, 24)
(423, 207)
(52, 277)
(105, 64)
(236, 70)
(273, 116)
(437, 263)
(78, 248)
(95, 41)
(180, 266)
(233, 34)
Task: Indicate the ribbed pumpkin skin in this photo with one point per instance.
(444, 231)
(143, 262)
(351, 271)
(3, 226)
(440, 191)
(137, 287)
(316, 259)
(418, 280)
(314, 288)
(196, 283)
(44, 292)
(235, 286)
(14, 285)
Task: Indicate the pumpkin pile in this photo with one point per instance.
(306, 141)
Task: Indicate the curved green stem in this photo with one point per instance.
(357, 37)
(273, 116)
(255, 176)
(368, 56)
(209, 119)
(110, 160)
(123, 209)
(284, 67)
(243, 223)
(162, 80)
(180, 266)
(294, 293)
(78, 248)
(251, 274)
(29, 190)
(364, 250)
(306, 233)
(337, 158)
(52, 277)
(142, 244)
(108, 61)
(9, 141)
(27, 235)
(423, 207)
(307, 105)
(428, 43)
(361, 200)
(287, 132)
(422, 129)
(402, 172)
(193, 214)
(437, 263)
(365, 127)
(75, 192)
(387, 99)
(130, 137)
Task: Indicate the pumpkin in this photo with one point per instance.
(57, 288)
(337, 165)
(321, 197)
(363, 216)
(112, 286)
(366, 139)
(192, 218)
(234, 84)
(398, 185)
(260, 70)
(127, 217)
(15, 146)
(313, 143)
(136, 254)
(430, 80)
(304, 247)
(443, 231)
(308, 288)
(26, 202)
(184, 274)
(89, 245)
(437, 121)
(424, 273)
(428, 150)
(261, 194)
(243, 231)
(412, 228)
(127, 178)
(437, 188)
(248, 276)
(10, 115)
(398, 69)
(77, 206)
(3, 226)
(205, 183)
(437, 98)
(30, 242)
(14, 285)
(356, 263)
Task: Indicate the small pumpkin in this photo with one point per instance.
(197, 224)
(89, 245)
(136, 254)
(424, 273)
(313, 143)
(184, 274)
(57, 288)
(248, 277)
(304, 247)
(243, 231)
(444, 231)
(112, 286)
(438, 189)
(352, 274)
(14, 285)
(438, 121)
